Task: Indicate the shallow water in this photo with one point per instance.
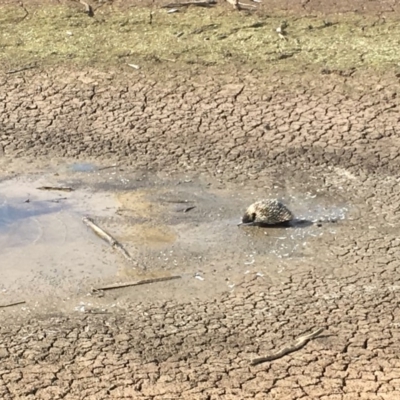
(82, 167)
(44, 243)
(184, 228)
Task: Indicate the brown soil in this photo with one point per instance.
(228, 126)
(249, 132)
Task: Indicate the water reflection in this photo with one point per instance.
(17, 210)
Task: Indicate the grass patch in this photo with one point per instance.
(64, 34)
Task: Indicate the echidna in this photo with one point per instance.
(267, 212)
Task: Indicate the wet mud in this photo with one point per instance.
(169, 225)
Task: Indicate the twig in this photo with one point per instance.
(210, 3)
(62, 189)
(108, 166)
(96, 312)
(301, 341)
(107, 237)
(137, 283)
(12, 304)
(186, 209)
(14, 71)
(21, 4)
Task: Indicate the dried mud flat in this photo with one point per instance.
(324, 139)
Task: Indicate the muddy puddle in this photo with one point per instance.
(168, 225)
(44, 245)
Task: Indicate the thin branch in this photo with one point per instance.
(14, 71)
(107, 237)
(59, 188)
(21, 4)
(12, 304)
(209, 3)
(301, 342)
(136, 283)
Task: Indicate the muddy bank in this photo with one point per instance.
(233, 126)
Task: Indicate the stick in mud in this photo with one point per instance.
(14, 71)
(108, 166)
(301, 342)
(107, 237)
(137, 283)
(12, 304)
(186, 209)
(62, 189)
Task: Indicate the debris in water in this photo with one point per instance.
(107, 237)
(62, 189)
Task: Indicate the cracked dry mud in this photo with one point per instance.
(220, 137)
